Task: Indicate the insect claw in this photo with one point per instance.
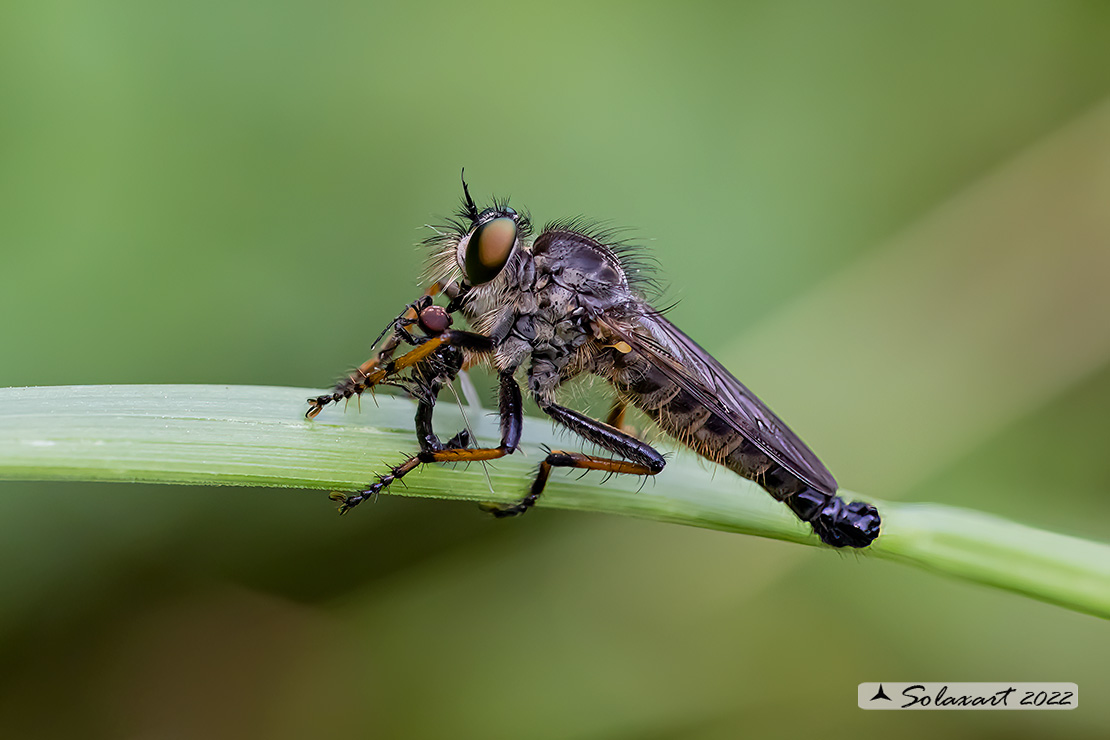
(342, 499)
(500, 511)
(316, 404)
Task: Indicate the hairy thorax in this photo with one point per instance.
(540, 311)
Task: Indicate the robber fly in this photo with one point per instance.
(566, 302)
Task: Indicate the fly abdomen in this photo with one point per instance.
(834, 520)
(679, 413)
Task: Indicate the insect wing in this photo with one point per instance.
(683, 361)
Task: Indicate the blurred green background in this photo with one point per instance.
(889, 220)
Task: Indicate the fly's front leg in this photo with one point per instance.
(425, 435)
(369, 373)
(435, 323)
(511, 412)
(640, 458)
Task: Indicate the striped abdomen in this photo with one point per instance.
(682, 415)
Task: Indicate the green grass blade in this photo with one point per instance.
(258, 436)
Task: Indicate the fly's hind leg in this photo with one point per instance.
(616, 418)
(640, 458)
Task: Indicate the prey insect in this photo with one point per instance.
(570, 301)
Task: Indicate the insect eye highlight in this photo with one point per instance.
(488, 250)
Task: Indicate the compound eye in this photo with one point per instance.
(488, 250)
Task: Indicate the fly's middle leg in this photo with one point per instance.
(426, 436)
(640, 458)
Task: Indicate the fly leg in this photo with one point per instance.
(425, 435)
(511, 413)
(640, 458)
(616, 417)
(369, 374)
(378, 369)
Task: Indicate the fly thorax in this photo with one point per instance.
(559, 331)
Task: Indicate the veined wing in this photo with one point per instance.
(684, 362)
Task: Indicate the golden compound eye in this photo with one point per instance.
(488, 250)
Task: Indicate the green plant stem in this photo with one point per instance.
(258, 436)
